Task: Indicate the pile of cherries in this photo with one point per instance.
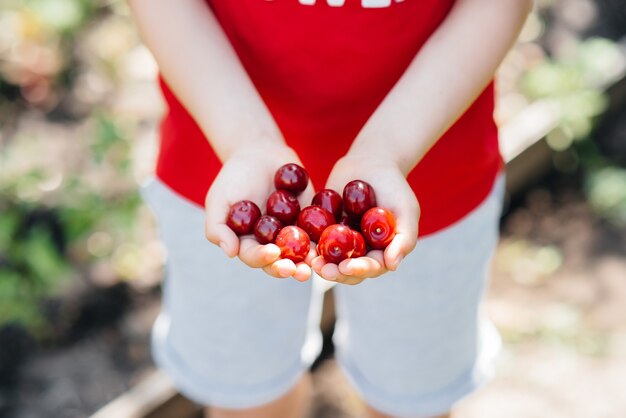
(338, 236)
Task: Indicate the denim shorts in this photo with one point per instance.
(412, 342)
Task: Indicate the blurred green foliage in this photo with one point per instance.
(50, 212)
(606, 191)
(44, 48)
(38, 45)
(577, 84)
(43, 240)
(61, 16)
(30, 267)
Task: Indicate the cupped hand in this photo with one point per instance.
(249, 175)
(392, 192)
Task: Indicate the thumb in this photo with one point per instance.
(215, 227)
(405, 239)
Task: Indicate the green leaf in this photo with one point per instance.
(43, 259)
(9, 221)
(59, 15)
(606, 192)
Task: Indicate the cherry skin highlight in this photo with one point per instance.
(378, 227)
(284, 206)
(314, 220)
(266, 229)
(360, 248)
(242, 216)
(358, 197)
(291, 177)
(336, 243)
(294, 243)
(330, 200)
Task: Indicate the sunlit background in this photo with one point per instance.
(80, 261)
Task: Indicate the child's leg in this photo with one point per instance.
(294, 404)
(230, 336)
(372, 413)
(414, 341)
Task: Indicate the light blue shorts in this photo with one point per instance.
(412, 342)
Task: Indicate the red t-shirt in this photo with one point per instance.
(322, 70)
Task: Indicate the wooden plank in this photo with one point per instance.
(154, 397)
(527, 128)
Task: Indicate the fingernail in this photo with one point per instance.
(224, 248)
(398, 261)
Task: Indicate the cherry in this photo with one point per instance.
(378, 227)
(359, 245)
(329, 200)
(294, 243)
(284, 206)
(266, 229)
(336, 243)
(242, 216)
(346, 221)
(291, 177)
(358, 197)
(314, 220)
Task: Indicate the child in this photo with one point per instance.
(398, 94)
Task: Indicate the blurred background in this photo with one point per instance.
(81, 264)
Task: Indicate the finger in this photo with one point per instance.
(399, 247)
(317, 263)
(372, 265)
(224, 237)
(330, 272)
(351, 281)
(216, 229)
(256, 255)
(311, 255)
(303, 272)
(405, 240)
(281, 268)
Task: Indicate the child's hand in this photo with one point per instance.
(249, 175)
(392, 192)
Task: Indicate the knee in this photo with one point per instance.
(373, 413)
(295, 403)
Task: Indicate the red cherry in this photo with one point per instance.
(346, 221)
(359, 245)
(284, 206)
(378, 227)
(294, 243)
(314, 220)
(242, 216)
(358, 197)
(291, 177)
(329, 200)
(266, 229)
(336, 243)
